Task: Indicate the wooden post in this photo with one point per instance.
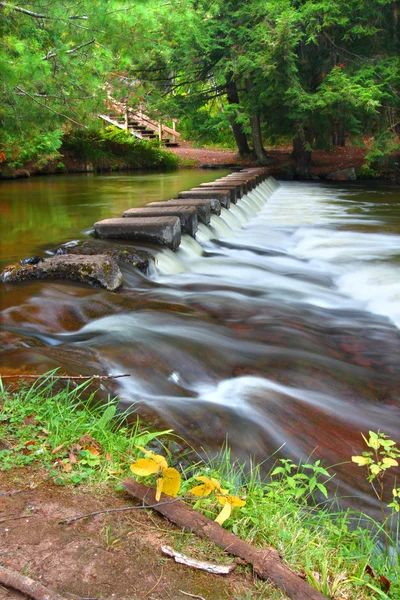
(126, 116)
(174, 129)
(160, 132)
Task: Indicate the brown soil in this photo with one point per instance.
(323, 162)
(110, 556)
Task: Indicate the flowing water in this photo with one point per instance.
(278, 325)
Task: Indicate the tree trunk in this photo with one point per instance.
(257, 139)
(237, 128)
(256, 131)
(301, 154)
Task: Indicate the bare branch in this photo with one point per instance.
(23, 10)
(35, 15)
(84, 377)
(48, 107)
(113, 510)
(54, 53)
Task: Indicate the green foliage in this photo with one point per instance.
(383, 455)
(207, 127)
(114, 148)
(76, 440)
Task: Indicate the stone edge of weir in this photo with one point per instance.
(159, 223)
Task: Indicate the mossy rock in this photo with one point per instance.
(98, 271)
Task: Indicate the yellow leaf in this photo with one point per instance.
(224, 514)
(360, 460)
(156, 457)
(205, 480)
(205, 489)
(144, 467)
(233, 500)
(216, 483)
(200, 490)
(373, 443)
(391, 462)
(171, 481)
(160, 484)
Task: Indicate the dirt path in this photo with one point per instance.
(203, 156)
(112, 557)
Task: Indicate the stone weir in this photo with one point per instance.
(159, 223)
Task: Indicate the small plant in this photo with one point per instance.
(168, 480)
(210, 485)
(383, 455)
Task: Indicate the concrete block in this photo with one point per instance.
(203, 207)
(164, 231)
(187, 215)
(223, 196)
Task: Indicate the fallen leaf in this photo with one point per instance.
(108, 456)
(58, 448)
(67, 467)
(92, 450)
(73, 459)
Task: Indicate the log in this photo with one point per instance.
(266, 562)
(26, 585)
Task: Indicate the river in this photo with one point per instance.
(278, 325)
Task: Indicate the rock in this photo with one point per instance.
(164, 231)
(99, 271)
(122, 254)
(31, 260)
(343, 175)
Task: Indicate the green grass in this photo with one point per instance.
(77, 440)
(51, 429)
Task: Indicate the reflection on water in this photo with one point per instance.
(279, 324)
(41, 211)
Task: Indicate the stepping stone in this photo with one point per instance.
(223, 196)
(235, 189)
(187, 215)
(244, 183)
(164, 231)
(203, 207)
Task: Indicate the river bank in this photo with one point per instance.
(62, 458)
(90, 154)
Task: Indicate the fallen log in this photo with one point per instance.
(26, 585)
(266, 562)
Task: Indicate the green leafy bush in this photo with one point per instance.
(114, 149)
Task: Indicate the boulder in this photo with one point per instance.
(99, 270)
(343, 175)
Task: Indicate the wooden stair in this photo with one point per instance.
(139, 124)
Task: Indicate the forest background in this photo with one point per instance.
(311, 73)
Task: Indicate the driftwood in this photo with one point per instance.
(266, 562)
(202, 565)
(27, 586)
(62, 377)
